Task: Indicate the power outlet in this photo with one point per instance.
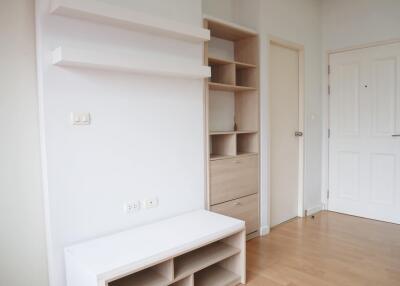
(80, 118)
(131, 207)
(150, 203)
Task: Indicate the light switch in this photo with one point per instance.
(80, 118)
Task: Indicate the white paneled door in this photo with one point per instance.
(364, 145)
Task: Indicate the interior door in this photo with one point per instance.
(364, 156)
(284, 122)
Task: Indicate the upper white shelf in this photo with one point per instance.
(101, 12)
(143, 64)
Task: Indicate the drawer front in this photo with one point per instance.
(244, 209)
(233, 178)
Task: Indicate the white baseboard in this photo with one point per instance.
(314, 210)
(264, 230)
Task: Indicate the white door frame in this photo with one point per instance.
(300, 49)
(326, 112)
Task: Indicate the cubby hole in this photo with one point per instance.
(246, 110)
(223, 73)
(218, 274)
(160, 274)
(188, 281)
(245, 50)
(246, 76)
(221, 111)
(222, 145)
(203, 257)
(247, 143)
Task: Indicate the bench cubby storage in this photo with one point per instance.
(196, 248)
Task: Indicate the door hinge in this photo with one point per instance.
(329, 69)
(329, 90)
(329, 133)
(327, 194)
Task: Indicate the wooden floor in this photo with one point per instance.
(332, 249)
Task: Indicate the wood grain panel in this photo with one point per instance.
(233, 178)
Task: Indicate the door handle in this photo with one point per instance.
(395, 135)
(298, 134)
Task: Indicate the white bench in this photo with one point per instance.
(197, 248)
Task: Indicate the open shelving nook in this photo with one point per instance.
(217, 263)
(232, 116)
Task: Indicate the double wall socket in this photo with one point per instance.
(134, 206)
(131, 207)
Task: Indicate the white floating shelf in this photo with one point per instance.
(143, 64)
(101, 12)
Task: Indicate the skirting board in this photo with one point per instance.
(264, 230)
(314, 210)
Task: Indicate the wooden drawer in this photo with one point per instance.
(233, 178)
(244, 209)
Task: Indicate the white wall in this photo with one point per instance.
(299, 22)
(221, 8)
(145, 140)
(350, 23)
(22, 235)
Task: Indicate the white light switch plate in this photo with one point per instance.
(80, 118)
(150, 203)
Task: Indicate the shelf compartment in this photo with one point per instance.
(222, 145)
(246, 110)
(201, 258)
(239, 65)
(67, 57)
(227, 30)
(223, 73)
(246, 50)
(126, 18)
(232, 132)
(247, 143)
(158, 275)
(246, 77)
(228, 87)
(188, 281)
(216, 276)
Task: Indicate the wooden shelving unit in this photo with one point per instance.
(108, 61)
(104, 13)
(233, 55)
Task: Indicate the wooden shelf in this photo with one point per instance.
(238, 155)
(239, 65)
(202, 258)
(216, 276)
(233, 132)
(100, 12)
(228, 87)
(188, 281)
(228, 31)
(67, 57)
(147, 277)
(244, 154)
(214, 157)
